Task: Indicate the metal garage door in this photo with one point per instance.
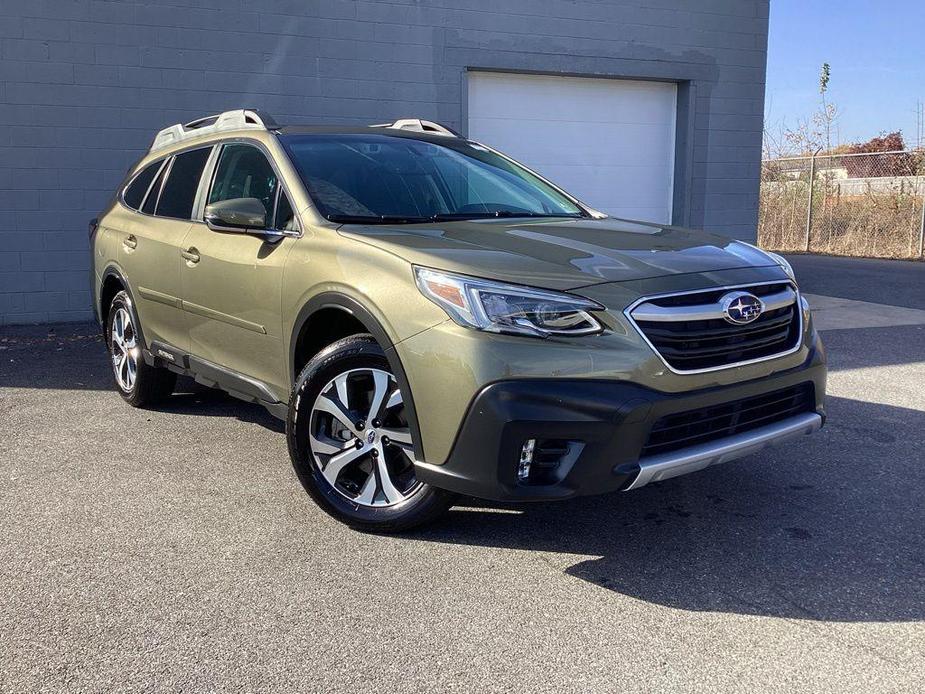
(609, 142)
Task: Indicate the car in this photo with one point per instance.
(432, 319)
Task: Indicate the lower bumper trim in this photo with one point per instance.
(667, 465)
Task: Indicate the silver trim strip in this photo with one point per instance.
(669, 314)
(667, 465)
(627, 312)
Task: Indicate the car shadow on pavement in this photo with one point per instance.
(827, 528)
(195, 399)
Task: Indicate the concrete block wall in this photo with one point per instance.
(85, 84)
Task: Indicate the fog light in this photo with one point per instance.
(526, 459)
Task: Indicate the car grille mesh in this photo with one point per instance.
(682, 430)
(693, 345)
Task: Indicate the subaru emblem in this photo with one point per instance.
(740, 308)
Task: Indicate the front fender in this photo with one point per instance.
(375, 328)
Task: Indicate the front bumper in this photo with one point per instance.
(612, 421)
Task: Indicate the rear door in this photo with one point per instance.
(150, 250)
(232, 281)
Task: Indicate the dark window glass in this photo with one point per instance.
(391, 179)
(244, 172)
(151, 200)
(135, 193)
(180, 189)
(285, 217)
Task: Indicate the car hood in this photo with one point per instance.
(560, 253)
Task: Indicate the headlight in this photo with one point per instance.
(775, 258)
(785, 265)
(506, 308)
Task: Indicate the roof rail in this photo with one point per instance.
(239, 119)
(420, 126)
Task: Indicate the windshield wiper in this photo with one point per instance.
(376, 219)
(494, 215)
(441, 217)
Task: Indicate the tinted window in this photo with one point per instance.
(151, 200)
(385, 178)
(180, 189)
(135, 193)
(244, 172)
(285, 217)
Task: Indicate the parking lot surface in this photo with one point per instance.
(175, 550)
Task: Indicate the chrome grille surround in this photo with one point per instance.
(644, 310)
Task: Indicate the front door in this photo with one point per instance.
(232, 281)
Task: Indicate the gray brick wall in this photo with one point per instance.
(84, 84)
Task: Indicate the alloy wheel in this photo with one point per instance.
(360, 438)
(124, 349)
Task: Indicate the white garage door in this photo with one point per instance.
(608, 142)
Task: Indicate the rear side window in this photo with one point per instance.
(134, 195)
(244, 172)
(151, 200)
(180, 188)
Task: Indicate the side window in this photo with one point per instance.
(179, 191)
(151, 200)
(134, 194)
(244, 172)
(285, 217)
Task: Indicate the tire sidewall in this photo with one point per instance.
(122, 300)
(360, 351)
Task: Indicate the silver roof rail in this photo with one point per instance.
(240, 119)
(420, 126)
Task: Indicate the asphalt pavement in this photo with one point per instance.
(174, 550)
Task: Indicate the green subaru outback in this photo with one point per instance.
(431, 318)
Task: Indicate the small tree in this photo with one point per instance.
(815, 134)
(902, 164)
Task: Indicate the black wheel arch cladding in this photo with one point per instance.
(113, 273)
(372, 325)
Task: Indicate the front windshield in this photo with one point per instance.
(378, 178)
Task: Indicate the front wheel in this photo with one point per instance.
(351, 444)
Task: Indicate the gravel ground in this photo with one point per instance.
(174, 550)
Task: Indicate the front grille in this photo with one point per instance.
(707, 343)
(676, 431)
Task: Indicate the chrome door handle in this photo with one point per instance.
(191, 255)
(130, 241)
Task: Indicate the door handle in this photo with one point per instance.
(130, 241)
(191, 255)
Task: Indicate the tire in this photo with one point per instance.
(139, 385)
(359, 472)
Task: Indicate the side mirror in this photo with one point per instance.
(237, 214)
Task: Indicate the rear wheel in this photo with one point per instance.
(138, 383)
(351, 443)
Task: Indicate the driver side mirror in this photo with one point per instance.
(237, 214)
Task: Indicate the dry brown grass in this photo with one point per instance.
(877, 226)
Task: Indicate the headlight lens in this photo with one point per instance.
(785, 265)
(779, 259)
(504, 308)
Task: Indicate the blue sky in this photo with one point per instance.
(877, 54)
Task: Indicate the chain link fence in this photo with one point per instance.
(869, 205)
